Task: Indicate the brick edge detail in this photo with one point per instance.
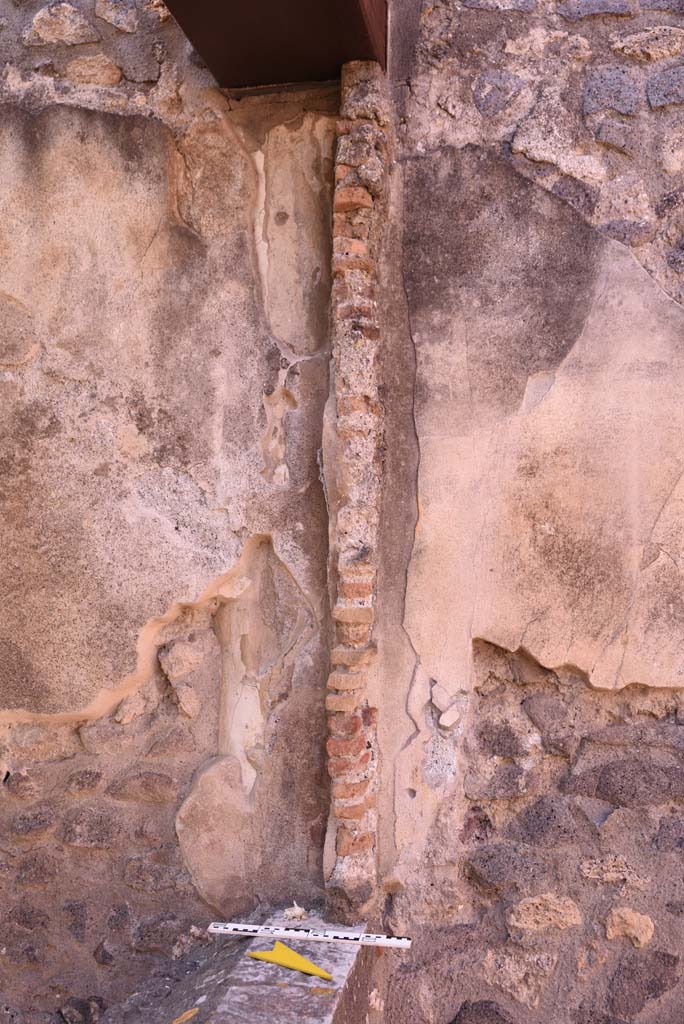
(353, 474)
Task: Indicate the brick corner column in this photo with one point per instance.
(353, 472)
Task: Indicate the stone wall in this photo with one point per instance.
(563, 862)
(164, 357)
(529, 627)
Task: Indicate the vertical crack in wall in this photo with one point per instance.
(353, 469)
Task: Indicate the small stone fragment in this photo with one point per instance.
(547, 135)
(522, 975)
(672, 6)
(103, 954)
(495, 90)
(89, 827)
(670, 837)
(658, 43)
(180, 658)
(187, 700)
(611, 869)
(623, 922)
(37, 869)
(60, 23)
(509, 869)
(612, 88)
(537, 913)
(144, 787)
(159, 8)
(575, 10)
(33, 822)
(583, 198)
(522, 6)
(617, 135)
(119, 13)
(639, 978)
(638, 782)
(630, 232)
(21, 785)
(83, 1011)
(666, 88)
(454, 713)
(95, 70)
(28, 917)
(76, 919)
(157, 934)
(440, 696)
(84, 781)
(498, 739)
(485, 1011)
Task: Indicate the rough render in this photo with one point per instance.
(537, 641)
(164, 372)
(166, 622)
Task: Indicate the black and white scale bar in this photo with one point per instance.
(308, 934)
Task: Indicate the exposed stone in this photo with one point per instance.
(537, 913)
(624, 922)
(33, 822)
(176, 740)
(119, 13)
(508, 868)
(76, 914)
(96, 70)
(90, 827)
(639, 783)
(147, 875)
(187, 699)
(483, 1012)
(549, 821)
(611, 869)
(28, 916)
(498, 739)
(612, 88)
(666, 87)
(60, 23)
(144, 787)
(84, 781)
(630, 232)
(83, 1011)
(21, 785)
(675, 260)
(672, 6)
(583, 198)
(657, 43)
(670, 837)
(103, 954)
(548, 135)
(182, 657)
(495, 90)
(157, 934)
(37, 868)
(639, 979)
(523, 6)
(364, 92)
(617, 135)
(440, 697)
(575, 10)
(522, 975)
(506, 781)
(454, 714)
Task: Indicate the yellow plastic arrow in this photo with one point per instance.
(283, 956)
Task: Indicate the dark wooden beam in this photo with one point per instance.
(272, 42)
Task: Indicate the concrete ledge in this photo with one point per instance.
(217, 983)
